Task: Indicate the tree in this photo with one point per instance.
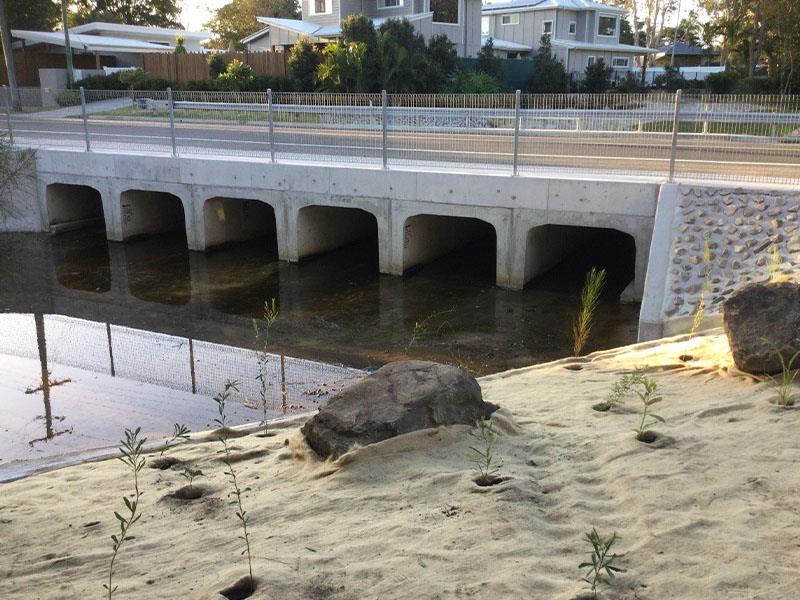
(152, 13)
(597, 78)
(488, 63)
(359, 29)
(304, 59)
(404, 58)
(444, 65)
(237, 19)
(549, 74)
(342, 68)
(38, 15)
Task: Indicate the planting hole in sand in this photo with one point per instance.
(243, 588)
(601, 406)
(266, 434)
(488, 481)
(647, 437)
(162, 464)
(188, 493)
(685, 357)
(574, 367)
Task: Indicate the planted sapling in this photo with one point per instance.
(649, 396)
(237, 492)
(785, 382)
(180, 433)
(483, 453)
(130, 454)
(624, 385)
(590, 300)
(191, 474)
(602, 566)
(262, 339)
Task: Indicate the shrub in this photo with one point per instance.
(101, 82)
(601, 561)
(630, 85)
(474, 82)
(68, 98)
(342, 68)
(597, 78)
(134, 78)
(488, 63)
(237, 77)
(671, 80)
(758, 85)
(549, 75)
(216, 65)
(443, 62)
(304, 59)
(180, 47)
(722, 83)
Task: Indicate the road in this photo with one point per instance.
(712, 156)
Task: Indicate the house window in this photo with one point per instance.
(547, 27)
(573, 27)
(621, 62)
(389, 3)
(607, 26)
(591, 61)
(510, 19)
(319, 7)
(445, 11)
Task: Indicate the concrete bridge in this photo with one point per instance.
(413, 216)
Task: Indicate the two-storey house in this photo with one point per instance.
(459, 20)
(580, 31)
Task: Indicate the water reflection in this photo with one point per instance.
(333, 308)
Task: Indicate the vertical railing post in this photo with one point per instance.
(110, 350)
(271, 128)
(517, 107)
(85, 120)
(172, 121)
(676, 125)
(7, 104)
(384, 127)
(705, 117)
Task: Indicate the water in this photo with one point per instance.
(98, 336)
(334, 308)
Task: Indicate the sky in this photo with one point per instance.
(195, 13)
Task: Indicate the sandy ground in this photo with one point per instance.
(710, 510)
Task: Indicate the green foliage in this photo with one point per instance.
(722, 83)
(488, 63)
(443, 63)
(180, 433)
(632, 84)
(237, 19)
(649, 396)
(483, 452)
(101, 82)
(590, 299)
(237, 77)
(549, 74)
(621, 388)
(151, 13)
(342, 68)
(602, 566)
(241, 514)
(68, 98)
(597, 78)
(270, 315)
(15, 165)
(216, 64)
(785, 383)
(671, 80)
(190, 474)
(132, 455)
(304, 59)
(474, 82)
(35, 15)
(180, 47)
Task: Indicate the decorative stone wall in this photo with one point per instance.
(749, 236)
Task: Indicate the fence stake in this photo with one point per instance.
(384, 149)
(85, 121)
(676, 125)
(517, 103)
(284, 404)
(191, 366)
(7, 103)
(172, 121)
(110, 350)
(271, 130)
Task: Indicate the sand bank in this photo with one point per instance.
(710, 510)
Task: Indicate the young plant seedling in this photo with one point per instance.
(241, 514)
(785, 382)
(130, 454)
(262, 339)
(590, 300)
(483, 453)
(180, 433)
(602, 565)
(621, 388)
(190, 475)
(649, 396)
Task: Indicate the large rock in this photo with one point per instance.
(760, 320)
(398, 398)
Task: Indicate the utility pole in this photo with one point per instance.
(67, 47)
(8, 53)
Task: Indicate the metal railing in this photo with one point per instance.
(675, 136)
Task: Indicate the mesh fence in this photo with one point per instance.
(174, 362)
(747, 138)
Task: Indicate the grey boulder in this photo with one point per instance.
(398, 398)
(762, 320)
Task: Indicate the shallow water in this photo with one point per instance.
(335, 307)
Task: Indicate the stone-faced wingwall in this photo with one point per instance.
(748, 235)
